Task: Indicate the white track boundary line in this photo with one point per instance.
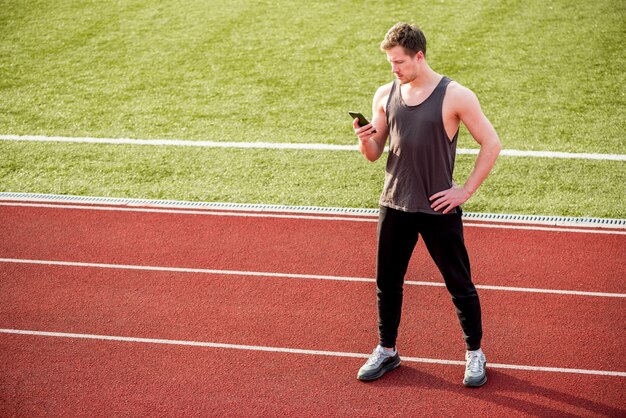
(291, 146)
(298, 351)
(297, 276)
(585, 228)
(197, 212)
(545, 228)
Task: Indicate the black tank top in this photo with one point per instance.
(421, 156)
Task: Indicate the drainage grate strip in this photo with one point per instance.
(485, 217)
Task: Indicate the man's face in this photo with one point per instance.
(403, 66)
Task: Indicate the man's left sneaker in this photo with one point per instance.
(475, 368)
(380, 362)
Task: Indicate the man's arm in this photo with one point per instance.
(467, 109)
(372, 144)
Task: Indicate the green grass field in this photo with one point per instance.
(549, 76)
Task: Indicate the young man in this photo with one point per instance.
(420, 111)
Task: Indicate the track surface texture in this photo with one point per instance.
(106, 311)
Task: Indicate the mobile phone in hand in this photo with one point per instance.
(362, 119)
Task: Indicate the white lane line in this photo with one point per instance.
(297, 276)
(187, 270)
(545, 228)
(298, 351)
(293, 146)
(197, 212)
(361, 218)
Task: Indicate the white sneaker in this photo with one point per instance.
(380, 362)
(475, 368)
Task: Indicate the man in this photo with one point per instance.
(421, 111)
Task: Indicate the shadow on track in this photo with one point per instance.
(503, 389)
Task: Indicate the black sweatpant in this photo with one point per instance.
(443, 235)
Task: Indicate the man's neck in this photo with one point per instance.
(426, 78)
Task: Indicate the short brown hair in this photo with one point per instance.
(409, 37)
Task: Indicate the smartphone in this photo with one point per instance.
(362, 119)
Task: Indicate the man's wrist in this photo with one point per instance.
(469, 190)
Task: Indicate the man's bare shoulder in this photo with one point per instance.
(384, 89)
(381, 95)
(462, 103)
(460, 93)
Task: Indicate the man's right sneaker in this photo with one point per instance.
(380, 362)
(475, 368)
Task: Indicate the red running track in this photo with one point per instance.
(43, 375)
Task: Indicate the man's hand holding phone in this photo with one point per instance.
(362, 127)
(371, 147)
